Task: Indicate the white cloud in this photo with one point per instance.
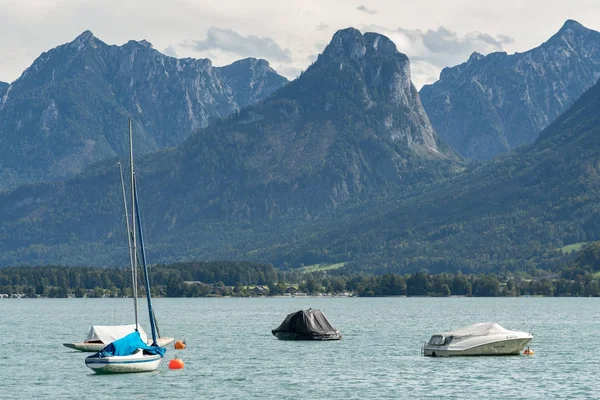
(229, 41)
(366, 10)
(289, 71)
(170, 51)
(433, 49)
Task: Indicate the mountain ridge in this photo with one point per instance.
(350, 128)
(515, 212)
(492, 104)
(58, 117)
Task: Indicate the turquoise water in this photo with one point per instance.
(231, 353)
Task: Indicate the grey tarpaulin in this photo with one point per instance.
(306, 325)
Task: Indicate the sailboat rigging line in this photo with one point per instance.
(134, 247)
(156, 323)
(129, 238)
(145, 266)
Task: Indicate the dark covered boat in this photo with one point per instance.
(306, 325)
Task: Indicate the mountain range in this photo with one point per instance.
(3, 86)
(59, 116)
(341, 165)
(349, 129)
(492, 104)
(515, 212)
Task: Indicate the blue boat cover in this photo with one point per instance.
(128, 345)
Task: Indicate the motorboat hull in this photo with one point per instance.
(496, 348)
(96, 347)
(123, 364)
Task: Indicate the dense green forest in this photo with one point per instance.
(578, 277)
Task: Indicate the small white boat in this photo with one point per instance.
(102, 335)
(139, 361)
(126, 364)
(482, 339)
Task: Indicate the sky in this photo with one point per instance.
(289, 34)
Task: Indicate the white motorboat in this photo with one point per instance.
(131, 353)
(482, 339)
(102, 335)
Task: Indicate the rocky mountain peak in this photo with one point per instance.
(346, 43)
(252, 61)
(349, 43)
(141, 43)
(572, 25)
(63, 107)
(492, 104)
(256, 65)
(86, 38)
(146, 44)
(380, 44)
(475, 56)
(367, 72)
(250, 78)
(571, 33)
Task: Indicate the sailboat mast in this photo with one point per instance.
(132, 265)
(145, 268)
(133, 213)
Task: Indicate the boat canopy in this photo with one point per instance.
(479, 329)
(127, 346)
(108, 334)
(306, 324)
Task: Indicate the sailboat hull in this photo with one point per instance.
(124, 364)
(95, 347)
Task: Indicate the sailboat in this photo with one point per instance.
(100, 336)
(131, 353)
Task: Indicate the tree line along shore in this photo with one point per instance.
(247, 279)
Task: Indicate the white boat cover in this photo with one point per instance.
(479, 329)
(108, 334)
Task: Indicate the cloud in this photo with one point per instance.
(322, 27)
(229, 41)
(443, 47)
(366, 10)
(170, 51)
(312, 58)
(431, 50)
(289, 71)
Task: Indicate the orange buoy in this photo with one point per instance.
(528, 352)
(176, 363)
(179, 345)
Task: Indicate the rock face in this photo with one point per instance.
(350, 128)
(492, 104)
(3, 86)
(251, 80)
(60, 115)
(512, 212)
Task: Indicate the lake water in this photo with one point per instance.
(231, 353)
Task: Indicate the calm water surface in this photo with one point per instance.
(231, 353)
